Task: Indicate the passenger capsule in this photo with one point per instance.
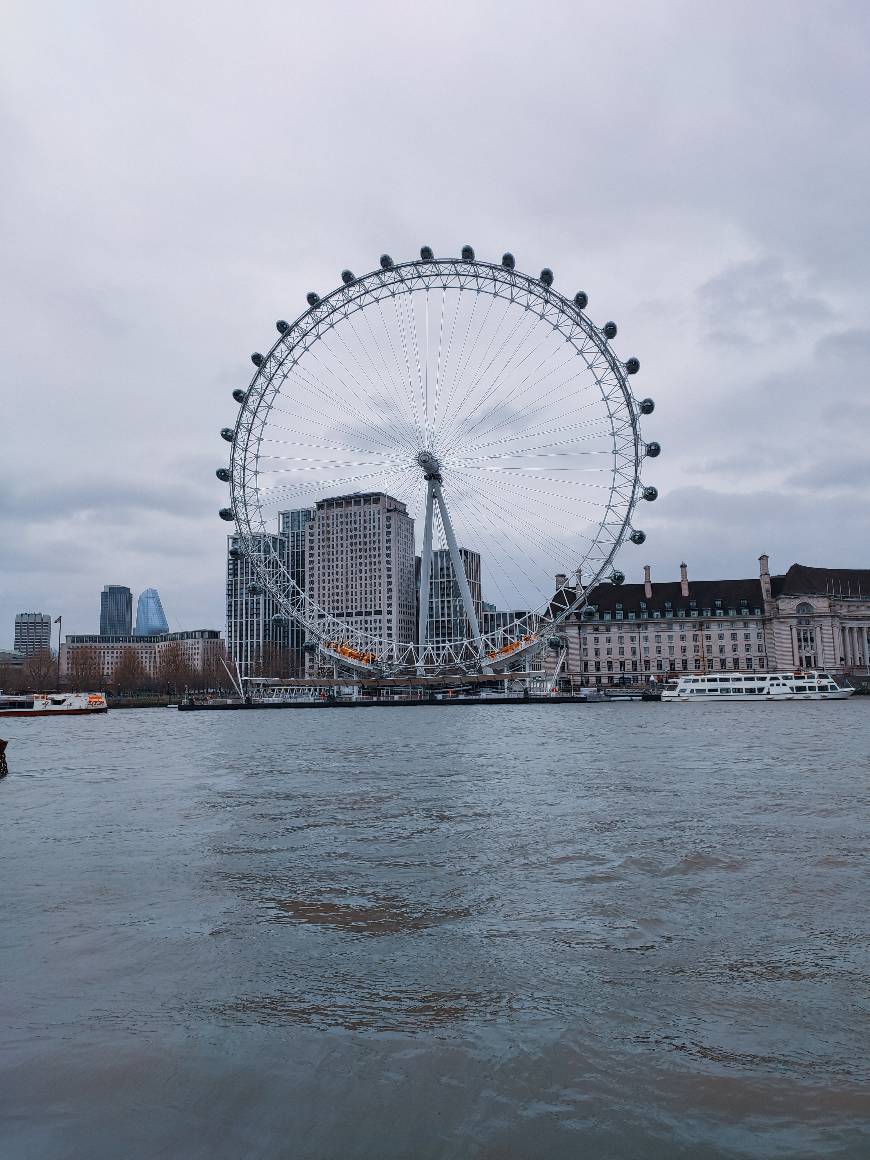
(637, 536)
(547, 276)
(228, 433)
(348, 277)
(255, 590)
(616, 577)
(554, 642)
(239, 395)
(257, 359)
(653, 450)
(227, 514)
(650, 493)
(609, 330)
(235, 553)
(426, 253)
(386, 262)
(632, 366)
(589, 612)
(282, 326)
(223, 474)
(581, 299)
(508, 261)
(467, 254)
(646, 406)
(312, 299)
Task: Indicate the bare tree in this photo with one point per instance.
(130, 674)
(11, 678)
(273, 660)
(85, 672)
(174, 671)
(40, 671)
(213, 675)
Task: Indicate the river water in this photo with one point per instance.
(605, 931)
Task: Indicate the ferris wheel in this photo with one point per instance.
(486, 403)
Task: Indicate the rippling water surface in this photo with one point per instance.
(605, 931)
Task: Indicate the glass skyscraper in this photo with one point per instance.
(116, 610)
(259, 635)
(447, 620)
(150, 617)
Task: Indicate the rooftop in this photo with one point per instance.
(802, 580)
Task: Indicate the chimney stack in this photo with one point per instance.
(647, 582)
(561, 580)
(684, 579)
(764, 573)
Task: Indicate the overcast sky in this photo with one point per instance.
(176, 176)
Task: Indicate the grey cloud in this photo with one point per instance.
(756, 303)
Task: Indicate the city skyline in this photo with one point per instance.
(712, 233)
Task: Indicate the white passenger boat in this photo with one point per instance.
(51, 704)
(796, 686)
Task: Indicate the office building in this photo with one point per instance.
(150, 617)
(360, 564)
(196, 650)
(447, 618)
(32, 633)
(116, 610)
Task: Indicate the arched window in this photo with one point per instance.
(804, 609)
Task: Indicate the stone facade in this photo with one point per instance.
(805, 618)
(360, 564)
(819, 618)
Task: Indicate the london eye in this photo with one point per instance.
(491, 408)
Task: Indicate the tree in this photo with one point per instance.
(130, 675)
(273, 660)
(84, 668)
(40, 671)
(11, 679)
(213, 675)
(173, 672)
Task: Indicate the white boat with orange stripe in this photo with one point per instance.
(52, 704)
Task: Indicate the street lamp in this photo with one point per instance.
(59, 623)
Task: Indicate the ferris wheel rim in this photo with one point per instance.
(406, 278)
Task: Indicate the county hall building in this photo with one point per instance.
(804, 618)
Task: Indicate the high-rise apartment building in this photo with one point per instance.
(257, 630)
(260, 636)
(360, 564)
(116, 610)
(32, 633)
(495, 619)
(293, 526)
(150, 617)
(447, 619)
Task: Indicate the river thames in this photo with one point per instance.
(606, 931)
